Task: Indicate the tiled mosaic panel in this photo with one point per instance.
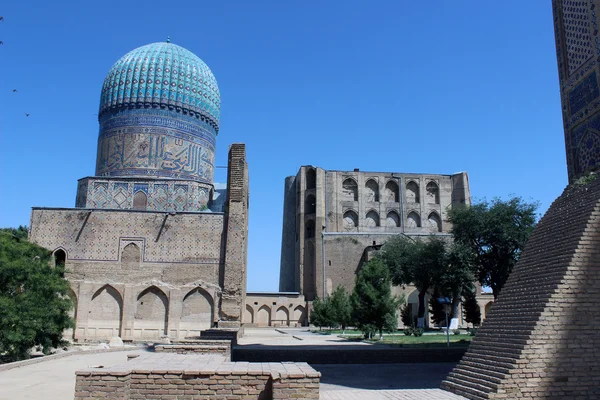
(132, 152)
(585, 92)
(588, 153)
(162, 195)
(578, 32)
(189, 238)
(162, 74)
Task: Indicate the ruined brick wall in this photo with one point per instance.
(358, 204)
(222, 348)
(541, 339)
(136, 274)
(233, 274)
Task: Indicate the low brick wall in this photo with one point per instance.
(175, 376)
(207, 347)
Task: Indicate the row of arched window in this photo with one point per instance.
(413, 220)
(391, 192)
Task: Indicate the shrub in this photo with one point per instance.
(418, 331)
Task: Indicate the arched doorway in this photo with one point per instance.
(282, 316)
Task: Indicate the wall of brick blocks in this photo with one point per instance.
(541, 338)
(227, 381)
(220, 347)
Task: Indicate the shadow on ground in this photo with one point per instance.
(383, 376)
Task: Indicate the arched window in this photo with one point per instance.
(391, 192)
(350, 189)
(311, 178)
(350, 220)
(433, 193)
(60, 258)
(371, 190)
(372, 219)
(309, 229)
(310, 205)
(140, 201)
(393, 219)
(435, 222)
(413, 220)
(412, 192)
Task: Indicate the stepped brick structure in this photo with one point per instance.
(540, 339)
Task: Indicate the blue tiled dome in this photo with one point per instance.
(162, 75)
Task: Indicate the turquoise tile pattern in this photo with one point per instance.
(162, 74)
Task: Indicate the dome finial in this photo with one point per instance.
(168, 39)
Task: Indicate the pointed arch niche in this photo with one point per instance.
(412, 192)
(140, 200)
(196, 312)
(350, 189)
(392, 194)
(433, 193)
(372, 219)
(371, 191)
(393, 219)
(413, 220)
(152, 310)
(435, 222)
(105, 314)
(350, 220)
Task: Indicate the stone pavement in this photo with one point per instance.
(384, 381)
(55, 379)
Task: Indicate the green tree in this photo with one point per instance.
(341, 307)
(438, 315)
(471, 308)
(322, 313)
(496, 233)
(372, 301)
(33, 298)
(416, 262)
(457, 275)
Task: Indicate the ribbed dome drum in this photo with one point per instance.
(159, 115)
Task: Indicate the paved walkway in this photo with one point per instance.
(55, 379)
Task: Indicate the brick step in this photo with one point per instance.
(481, 381)
(497, 344)
(471, 392)
(484, 366)
(501, 355)
(478, 370)
(497, 349)
(501, 362)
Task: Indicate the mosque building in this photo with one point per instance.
(151, 248)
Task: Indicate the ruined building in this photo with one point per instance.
(151, 248)
(332, 220)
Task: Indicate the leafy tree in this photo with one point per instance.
(372, 301)
(405, 315)
(496, 233)
(457, 275)
(322, 313)
(33, 298)
(471, 308)
(21, 232)
(438, 315)
(341, 307)
(415, 262)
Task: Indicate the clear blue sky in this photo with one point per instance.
(404, 86)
